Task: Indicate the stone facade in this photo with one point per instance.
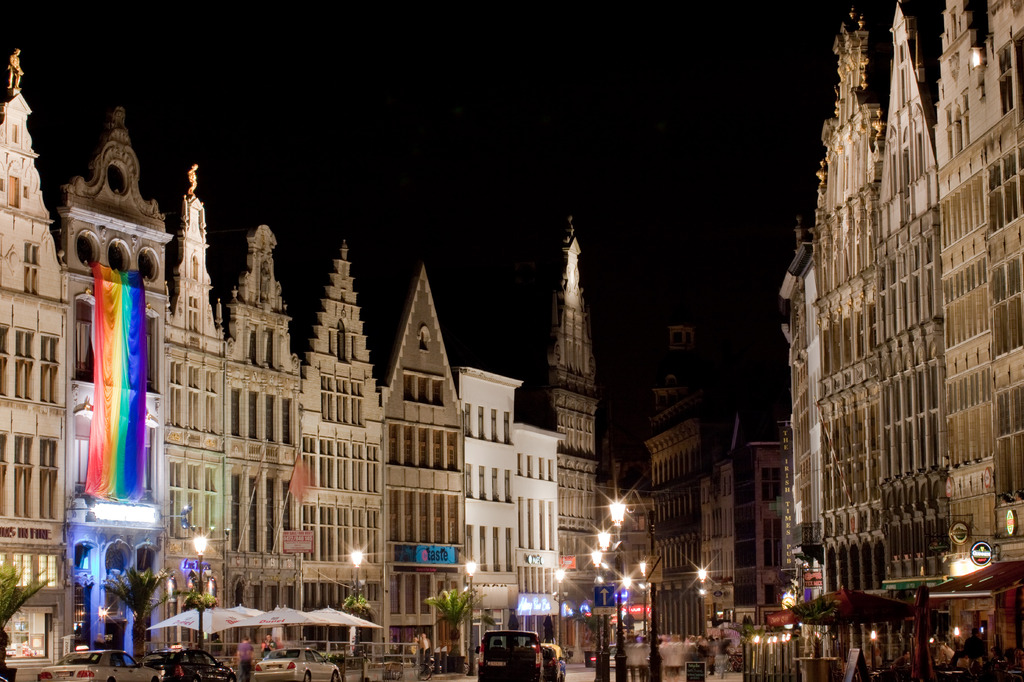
(261, 438)
(33, 387)
(424, 500)
(341, 450)
(104, 219)
(194, 419)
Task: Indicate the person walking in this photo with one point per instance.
(245, 659)
(636, 659)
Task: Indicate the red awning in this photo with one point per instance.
(982, 583)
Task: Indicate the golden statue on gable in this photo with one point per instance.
(193, 179)
(14, 71)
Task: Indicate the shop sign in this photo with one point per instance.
(813, 579)
(128, 513)
(981, 553)
(21, 533)
(425, 554)
(297, 541)
(193, 565)
(959, 533)
(568, 562)
(535, 559)
(533, 605)
(1011, 521)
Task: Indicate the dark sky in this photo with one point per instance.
(683, 146)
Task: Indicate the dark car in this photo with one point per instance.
(188, 665)
(554, 662)
(510, 656)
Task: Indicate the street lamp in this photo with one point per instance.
(559, 577)
(618, 512)
(644, 587)
(470, 570)
(357, 560)
(702, 574)
(200, 544)
(601, 669)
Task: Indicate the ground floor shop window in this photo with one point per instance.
(28, 634)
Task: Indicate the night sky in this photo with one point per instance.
(683, 145)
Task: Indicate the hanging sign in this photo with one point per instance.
(981, 553)
(1011, 521)
(959, 533)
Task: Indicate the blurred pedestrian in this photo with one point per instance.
(245, 658)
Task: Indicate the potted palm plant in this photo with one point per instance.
(139, 591)
(13, 596)
(817, 612)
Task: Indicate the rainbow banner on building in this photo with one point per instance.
(117, 442)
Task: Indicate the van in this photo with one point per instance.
(510, 656)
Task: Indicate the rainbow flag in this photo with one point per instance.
(117, 442)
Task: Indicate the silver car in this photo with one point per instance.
(295, 665)
(101, 666)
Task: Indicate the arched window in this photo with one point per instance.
(83, 339)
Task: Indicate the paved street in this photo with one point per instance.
(575, 672)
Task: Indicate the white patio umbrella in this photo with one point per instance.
(245, 611)
(214, 620)
(285, 616)
(346, 619)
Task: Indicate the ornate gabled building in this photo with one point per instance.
(194, 417)
(33, 389)
(114, 242)
(910, 432)
(798, 296)
(261, 439)
(341, 441)
(845, 230)
(568, 404)
(424, 499)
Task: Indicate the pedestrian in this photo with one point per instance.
(268, 645)
(636, 660)
(672, 657)
(721, 656)
(245, 658)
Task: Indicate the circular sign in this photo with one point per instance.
(958, 532)
(949, 487)
(981, 553)
(1011, 521)
(986, 477)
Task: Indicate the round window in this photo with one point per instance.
(85, 248)
(115, 179)
(148, 265)
(117, 256)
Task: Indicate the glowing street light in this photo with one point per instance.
(199, 542)
(618, 512)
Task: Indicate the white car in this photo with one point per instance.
(101, 666)
(295, 665)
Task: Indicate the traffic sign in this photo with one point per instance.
(604, 595)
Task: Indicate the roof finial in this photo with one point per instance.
(193, 179)
(571, 231)
(14, 72)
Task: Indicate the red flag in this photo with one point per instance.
(300, 480)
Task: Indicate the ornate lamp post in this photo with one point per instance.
(199, 541)
(602, 652)
(470, 570)
(357, 561)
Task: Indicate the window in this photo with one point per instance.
(480, 422)
(286, 421)
(48, 497)
(252, 347)
(1005, 79)
(494, 425)
(22, 363)
(253, 402)
(83, 340)
(48, 369)
(469, 480)
(269, 426)
(508, 430)
(270, 349)
(481, 491)
(494, 484)
(22, 474)
(508, 485)
(13, 192)
(236, 412)
(31, 268)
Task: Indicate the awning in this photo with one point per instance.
(983, 583)
(912, 583)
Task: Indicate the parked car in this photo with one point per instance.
(295, 665)
(510, 656)
(554, 662)
(102, 665)
(188, 665)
